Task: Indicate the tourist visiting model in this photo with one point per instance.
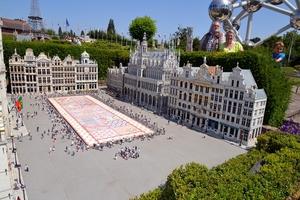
(212, 40)
(230, 45)
(277, 54)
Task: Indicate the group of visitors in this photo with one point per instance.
(215, 40)
(128, 152)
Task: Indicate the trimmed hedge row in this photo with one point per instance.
(232, 180)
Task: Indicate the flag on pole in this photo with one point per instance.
(58, 26)
(85, 28)
(122, 33)
(165, 36)
(158, 35)
(67, 23)
(78, 27)
(19, 104)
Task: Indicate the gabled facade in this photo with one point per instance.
(45, 75)
(225, 103)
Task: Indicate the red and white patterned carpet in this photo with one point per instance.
(96, 122)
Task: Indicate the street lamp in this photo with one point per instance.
(12, 141)
(23, 189)
(15, 152)
(19, 167)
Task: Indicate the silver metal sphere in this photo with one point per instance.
(275, 2)
(252, 5)
(295, 20)
(236, 24)
(249, 43)
(220, 10)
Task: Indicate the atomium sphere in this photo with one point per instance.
(249, 43)
(236, 24)
(295, 20)
(220, 10)
(252, 5)
(275, 2)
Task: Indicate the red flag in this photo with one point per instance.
(18, 105)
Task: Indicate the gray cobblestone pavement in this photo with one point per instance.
(96, 174)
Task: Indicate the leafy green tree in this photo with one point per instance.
(111, 27)
(51, 31)
(141, 25)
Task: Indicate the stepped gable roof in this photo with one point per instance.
(15, 24)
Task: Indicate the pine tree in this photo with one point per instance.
(111, 27)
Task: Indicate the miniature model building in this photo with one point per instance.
(226, 103)
(45, 75)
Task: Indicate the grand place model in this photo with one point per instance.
(228, 104)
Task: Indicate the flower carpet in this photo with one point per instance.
(96, 122)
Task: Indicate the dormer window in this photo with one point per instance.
(186, 74)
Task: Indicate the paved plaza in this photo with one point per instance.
(95, 174)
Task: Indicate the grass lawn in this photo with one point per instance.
(290, 70)
(295, 81)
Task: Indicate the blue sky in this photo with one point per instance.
(169, 15)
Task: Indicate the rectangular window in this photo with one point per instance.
(223, 116)
(205, 101)
(248, 122)
(251, 105)
(241, 95)
(212, 89)
(243, 121)
(234, 107)
(226, 92)
(220, 99)
(229, 106)
(236, 94)
(250, 113)
(232, 119)
(212, 97)
(231, 94)
(201, 88)
(237, 120)
(246, 103)
(245, 112)
(227, 117)
(207, 90)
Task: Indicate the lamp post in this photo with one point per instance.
(15, 152)
(19, 167)
(23, 189)
(12, 142)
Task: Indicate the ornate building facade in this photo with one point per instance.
(45, 75)
(147, 81)
(226, 103)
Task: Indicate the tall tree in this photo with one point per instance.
(141, 25)
(82, 33)
(59, 32)
(111, 27)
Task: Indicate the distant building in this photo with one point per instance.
(115, 79)
(45, 75)
(226, 103)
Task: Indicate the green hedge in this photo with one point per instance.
(232, 180)
(106, 58)
(266, 72)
